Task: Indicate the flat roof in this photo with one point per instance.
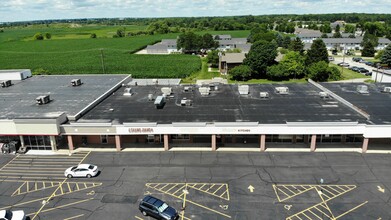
(302, 104)
(19, 100)
(376, 103)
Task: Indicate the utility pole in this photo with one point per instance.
(103, 60)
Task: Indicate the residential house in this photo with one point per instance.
(230, 60)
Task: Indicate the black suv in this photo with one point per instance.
(157, 208)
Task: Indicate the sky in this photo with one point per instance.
(28, 10)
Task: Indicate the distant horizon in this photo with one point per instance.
(40, 10)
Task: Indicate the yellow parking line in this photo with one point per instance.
(138, 218)
(351, 210)
(53, 194)
(179, 189)
(9, 162)
(77, 216)
(32, 171)
(218, 189)
(85, 157)
(59, 207)
(207, 208)
(34, 168)
(26, 173)
(171, 188)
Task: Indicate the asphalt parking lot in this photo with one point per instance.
(211, 185)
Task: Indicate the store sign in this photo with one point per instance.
(140, 130)
(244, 130)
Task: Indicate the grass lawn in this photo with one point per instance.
(202, 74)
(349, 74)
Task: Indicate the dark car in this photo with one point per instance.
(357, 59)
(354, 68)
(157, 209)
(363, 70)
(368, 74)
(369, 63)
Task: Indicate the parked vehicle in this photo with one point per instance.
(368, 74)
(356, 59)
(343, 64)
(157, 209)
(363, 70)
(12, 215)
(369, 63)
(82, 170)
(354, 68)
(331, 58)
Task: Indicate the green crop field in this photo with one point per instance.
(72, 51)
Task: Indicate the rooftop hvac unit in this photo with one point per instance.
(283, 90)
(187, 88)
(155, 81)
(43, 99)
(387, 89)
(150, 97)
(6, 83)
(160, 101)
(166, 90)
(204, 91)
(243, 89)
(76, 82)
(362, 89)
(323, 95)
(128, 91)
(264, 95)
(186, 102)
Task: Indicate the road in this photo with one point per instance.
(220, 185)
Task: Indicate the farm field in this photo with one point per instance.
(72, 51)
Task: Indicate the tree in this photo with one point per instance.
(386, 57)
(213, 58)
(325, 28)
(368, 49)
(337, 28)
(189, 42)
(294, 64)
(317, 52)
(93, 35)
(48, 36)
(286, 42)
(121, 32)
(208, 42)
(241, 73)
(260, 56)
(337, 35)
(321, 72)
(297, 45)
(349, 28)
(324, 35)
(38, 36)
(276, 72)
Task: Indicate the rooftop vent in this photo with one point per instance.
(187, 88)
(166, 90)
(186, 102)
(43, 99)
(76, 82)
(264, 95)
(283, 90)
(387, 89)
(323, 95)
(243, 89)
(128, 92)
(150, 97)
(6, 83)
(160, 101)
(362, 89)
(204, 90)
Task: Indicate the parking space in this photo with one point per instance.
(211, 185)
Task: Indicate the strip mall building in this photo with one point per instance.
(118, 112)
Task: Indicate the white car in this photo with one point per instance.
(12, 215)
(82, 170)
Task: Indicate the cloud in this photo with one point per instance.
(17, 10)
